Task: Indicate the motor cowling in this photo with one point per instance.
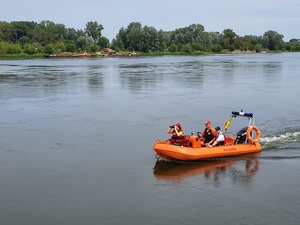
(241, 135)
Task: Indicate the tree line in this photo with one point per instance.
(47, 37)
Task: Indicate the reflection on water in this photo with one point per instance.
(239, 170)
(95, 78)
(142, 76)
(38, 78)
(272, 68)
(138, 77)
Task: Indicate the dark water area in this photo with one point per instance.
(76, 138)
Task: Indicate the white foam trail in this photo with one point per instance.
(290, 137)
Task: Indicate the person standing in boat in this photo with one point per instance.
(175, 130)
(218, 140)
(208, 133)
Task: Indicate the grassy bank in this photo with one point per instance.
(21, 56)
(127, 54)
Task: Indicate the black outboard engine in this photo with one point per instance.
(241, 136)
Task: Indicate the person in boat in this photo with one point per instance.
(178, 137)
(218, 140)
(175, 130)
(208, 133)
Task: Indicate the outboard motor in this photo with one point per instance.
(241, 136)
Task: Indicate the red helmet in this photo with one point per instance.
(207, 122)
(178, 124)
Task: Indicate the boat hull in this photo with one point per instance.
(167, 150)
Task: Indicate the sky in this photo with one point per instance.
(244, 17)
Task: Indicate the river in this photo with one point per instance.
(76, 138)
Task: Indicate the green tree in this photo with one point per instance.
(5, 32)
(190, 34)
(216, 48)
(29, 49)
(103, 42)
(253, 39)
(49, 49)
(22, 30)
(29, 37)
(138, 38)
(60, 47)
(293, 47)
(228, 38)
(215, 38)
(91, 45)
(173, 48)
(133, 37)
(48, 32)
(273, 40)
(187, 48)
(241, 44)
(70, 47)
(81, 42)
(258, 48)
(163, 39)
(71, 34)
(121, 36)
(295, 41)
(87, 43)
(3, 47)
(93, 29)
(198, 47)
(150, 39)
(117, 44)
(253, 42)
(38, 47)
(14, 49)
(231, 47)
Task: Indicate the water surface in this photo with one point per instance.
(77, 136)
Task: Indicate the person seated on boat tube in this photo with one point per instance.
(175, 130)
(218, 140)
(208, 133)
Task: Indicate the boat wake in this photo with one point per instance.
(286, 140)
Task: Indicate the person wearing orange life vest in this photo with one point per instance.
(175, 130)
(208, 133)
(218, 140)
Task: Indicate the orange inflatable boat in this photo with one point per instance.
(191, 148)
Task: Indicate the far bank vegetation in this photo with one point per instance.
(37, 39)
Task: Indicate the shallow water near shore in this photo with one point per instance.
(77, 137)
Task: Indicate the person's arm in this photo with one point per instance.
(213, 144)
(170, 130)
(176, 130)
(209, 144)
(216, 141)
(203, 133)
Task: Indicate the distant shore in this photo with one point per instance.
(124, 54)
